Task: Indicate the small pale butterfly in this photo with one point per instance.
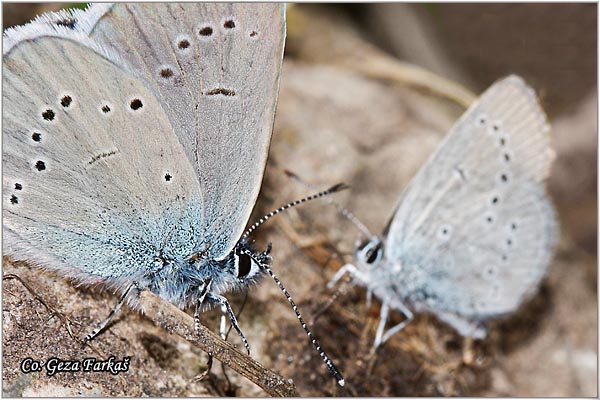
(472, 235)
(135, 140)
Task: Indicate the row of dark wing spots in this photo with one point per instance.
(207, 31)
(502, 143)
(49, 115)
(135, 104)
(66, 101)
(13, 198)
(504, 177)
(482, 121)
(509, 241)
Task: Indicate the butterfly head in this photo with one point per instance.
(247, 263)
(243, 265)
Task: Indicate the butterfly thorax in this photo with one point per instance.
(180, 280)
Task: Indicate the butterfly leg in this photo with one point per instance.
(355, 274)
(203, 291)
(369, 298)
(223, 324)
(346, 269)
(395, 329)
(382, 337)
(113, 312)
(222, 301)
(383, 317)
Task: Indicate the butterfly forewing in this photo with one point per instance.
(215, 69)
(79, 188)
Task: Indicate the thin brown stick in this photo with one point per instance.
(412, 75)
(53, 310)
(176, 321)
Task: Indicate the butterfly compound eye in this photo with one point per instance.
(370, 251)
(371, 255)
(374, 254)
(244, 265)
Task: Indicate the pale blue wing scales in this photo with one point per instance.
(453, 229)
(215, 69)
(80, 194)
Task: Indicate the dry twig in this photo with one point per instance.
(176, 321)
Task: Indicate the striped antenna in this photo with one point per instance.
(265, 218)
(344, 211)
(330, 365)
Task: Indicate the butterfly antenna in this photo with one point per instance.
(265, 218)
(344, 211)
(330, 365)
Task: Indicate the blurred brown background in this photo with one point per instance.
(367, 92)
